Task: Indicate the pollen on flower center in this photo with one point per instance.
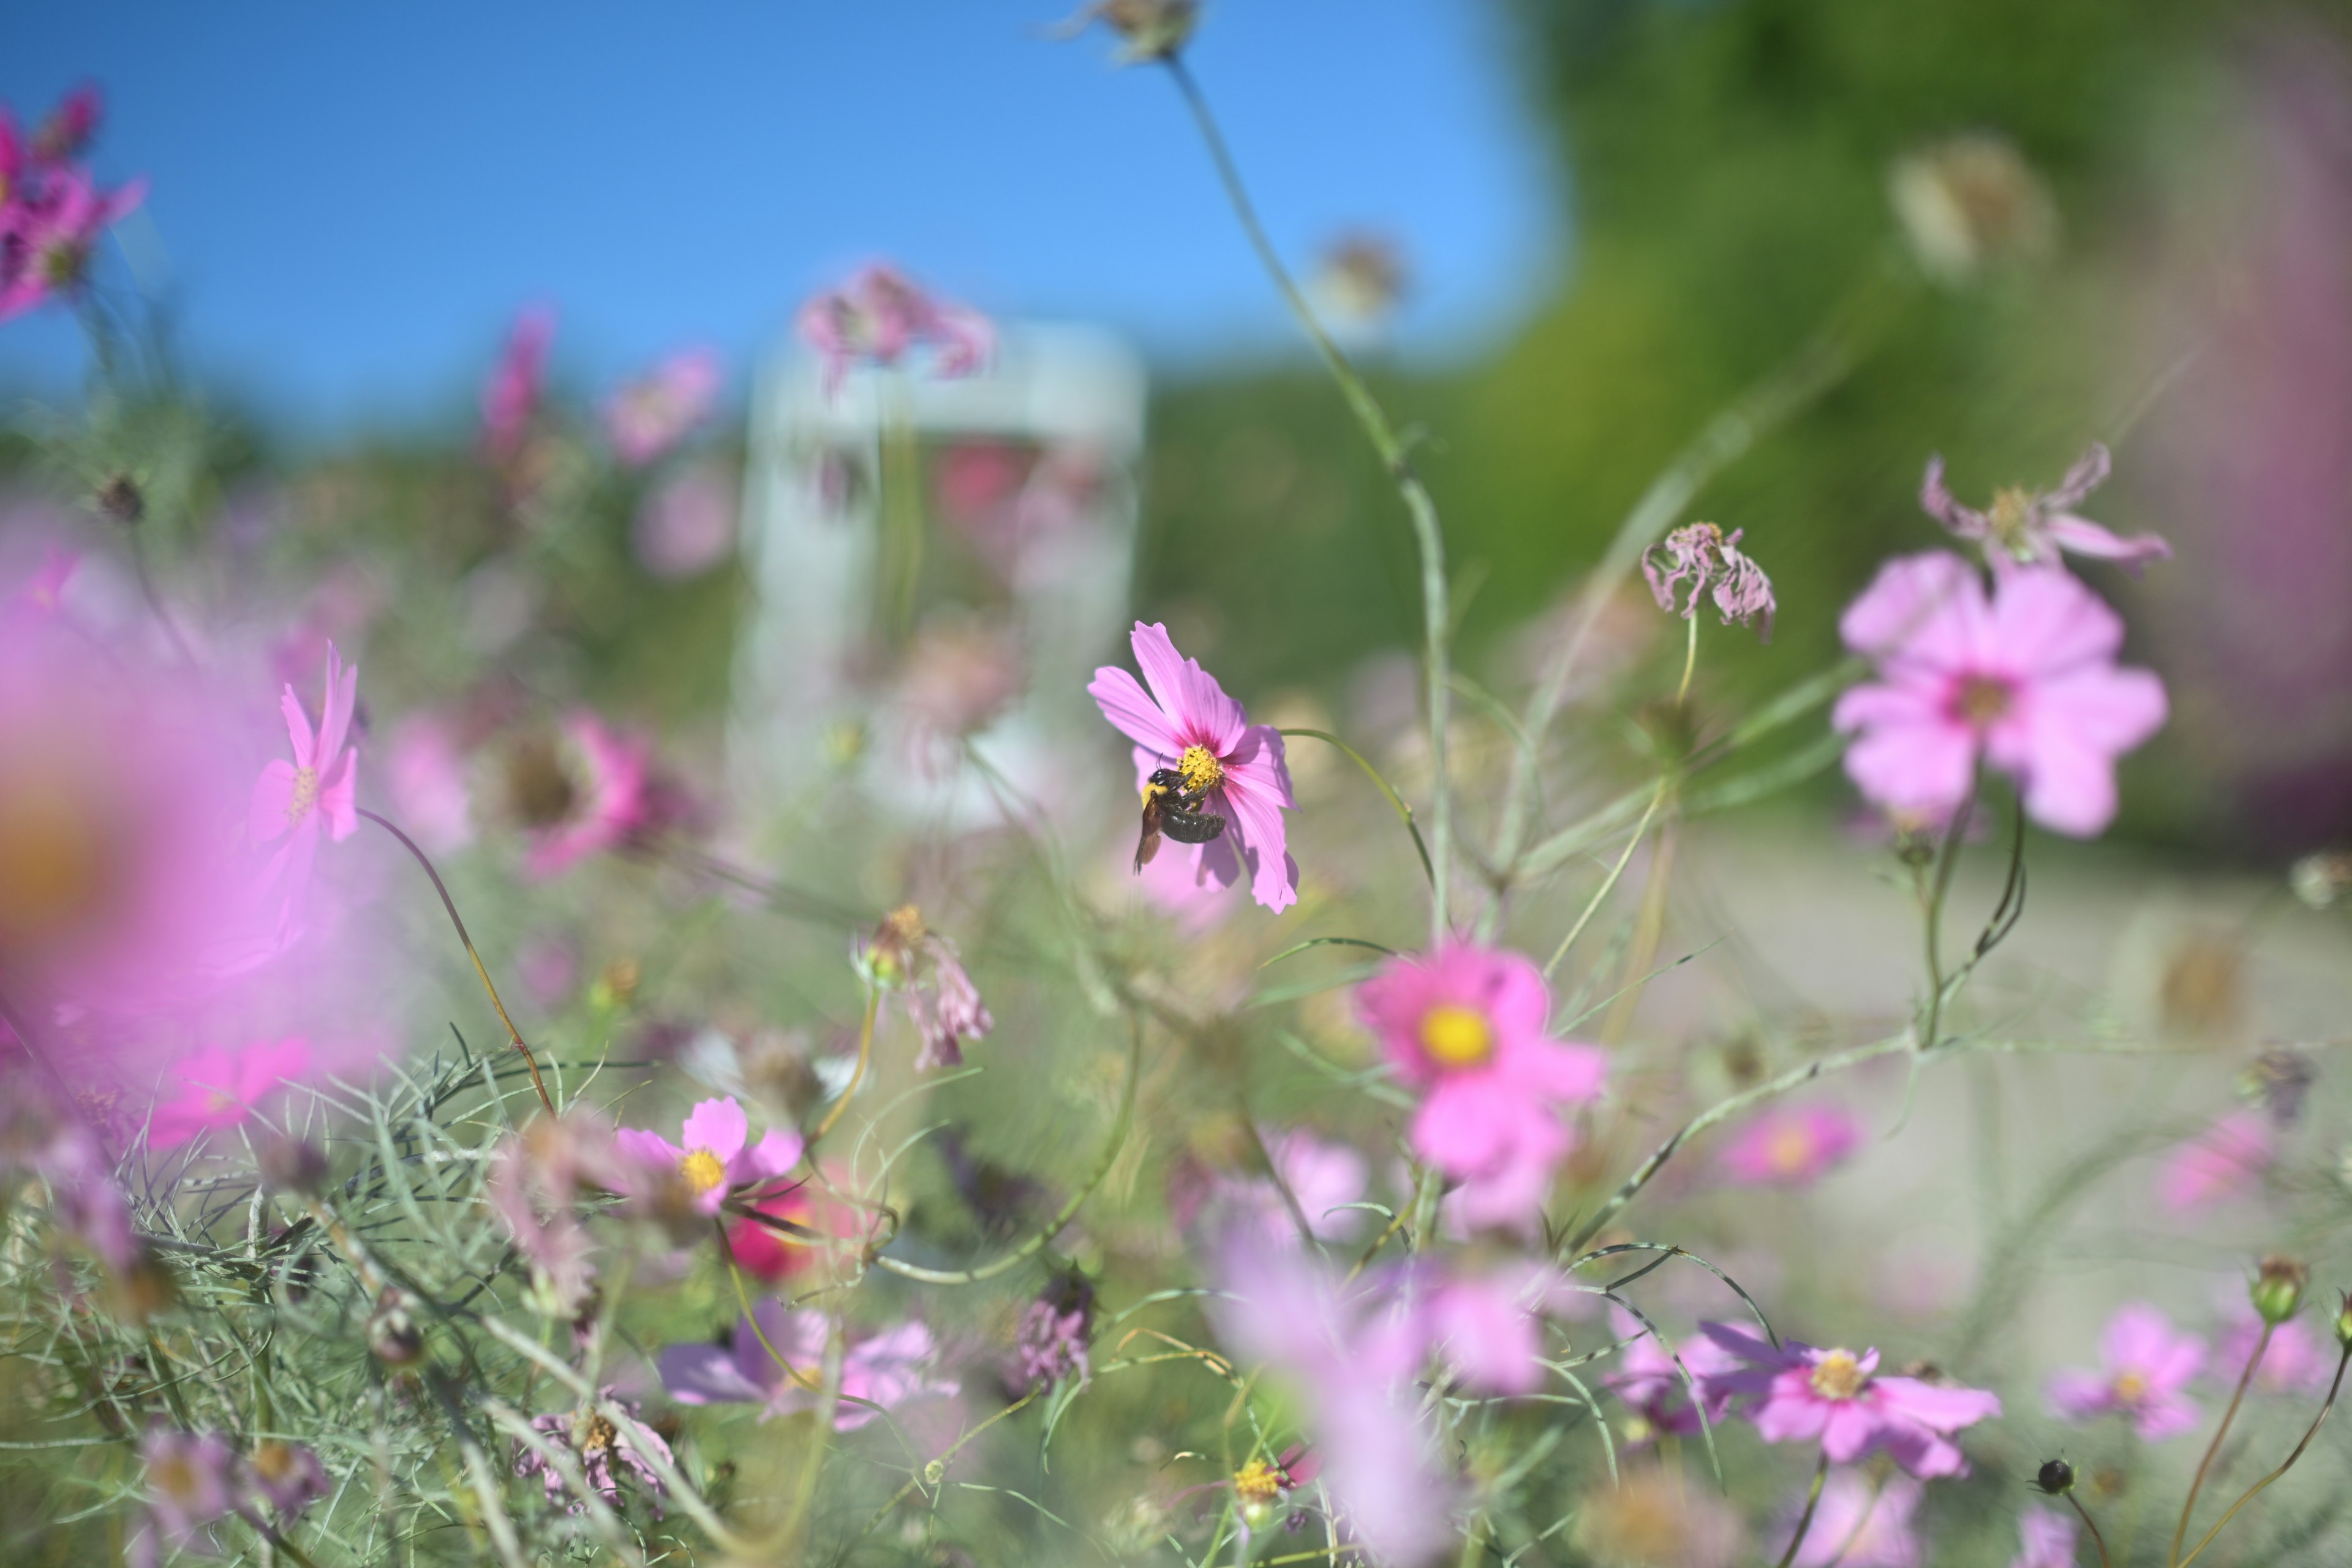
(1791, 1150)
(703, 1170)
(2130, 1388)
(1457, 1036)
(2011, 513)
(1838, 1375)
(593, 1434)
(1257, 1481)
(305, 795)
(1981, 700)
(1201, 769)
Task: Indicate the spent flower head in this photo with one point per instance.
(1148, 30)
(1699, 561)
(2030, 528)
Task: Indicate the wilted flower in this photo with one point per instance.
(718, 1156)
(923, 970)
(1652, 1518)
(2025, 528)
(776, 1362)
(1700, 560)
(878, 316)
(1148, 30)
(2025, 681)
(2144, 1367)
(1863, 1524)
(1792, 1146)
(2045, 1540)
(1467, 1026)
(511, 396)
(318, 789)
(651, 414)
(219, 1088)
(1050, 1343)
(685, 524)
(598, 1441)
(2225, 1161)
(1185, 722)
(2320, 880)
(1837, 1398)
(1968, 202)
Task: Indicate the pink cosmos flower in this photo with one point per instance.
(1837, 1398)
(511, 396)
(878, 317)
(284, 1477)
(2144, 1367)
(1652, 1386)
(189, 1487)
(2026, 681)
(2295, 1363)
(57, 1148)
(1186, 722)
(320, 784)
(2225, 1161)
(2045, 1540)
(685, 524)
(885, 1370)
(654, 412)
(45, 249)
(718, 1155)
(1467, 1027)
(1791, 1146)
(596, 793)
(2026, 529)
(1859, 1525)
(1486, 1327)
(218, 1088)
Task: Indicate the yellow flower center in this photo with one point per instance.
(1790, 1150)
(1981, 700)
(1457, 1036)
(2130, 1388)
(702, 1170)
(274, 1461)
(1201, 769)
(592, 1434)
(1838, 1375)
(1258, 1482)
(304, 795)
(2011, 510)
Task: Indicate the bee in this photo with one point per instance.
(1170, 808)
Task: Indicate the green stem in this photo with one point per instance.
(2100, 1540)
(856, 1072)
(1690, 658)
(2309, 1433)
(2172, 1556)
(1657, 799)
(1403, 811)
(1932, 910)
(1805, 1520)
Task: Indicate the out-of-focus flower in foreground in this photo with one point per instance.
(2225, 1161)
(776, 1363)
(1791, 1146)
(511, 396)
(2144, 1367)
(2045, 1540)
(218, 1088)
(1700, 560)
(2026, 681)
(2028, 528)
(1185, 722)
(1148, 30)
(1654, 1519)
(1837, 1398)
(1467, 1027)
(191, 1486)
(318, 788)
(604, 1447)
(1972, 202)
(2295, 1363)
(654, 412)
(1862, 1523)
(685, 524)
(51, 210)
(1650, 1383)
(879, 316)
(580, 793)
(718, 1155)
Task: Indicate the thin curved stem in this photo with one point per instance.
(858, 1073)
(1805, 1520)
(2262, 1346)
(1403, 811)
(2093, 1526)
(1657, 798)
(481, 970)
(2309, 1433)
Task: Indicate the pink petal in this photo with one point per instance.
(1923, 765)
(297, 729)
(1257, 822)
(1196, 705)
(339, 797)
(775, 1153)
(1557, 1072)
(2083, 537)
(718, 1127)
(1943, 1409)
(650, 1149)
(1907, 593)
(2089, 472)
(1849, 1430)
(273, 797)
(2044, 621)
(1467, 1123)
(1132, 713)
(335, 713)
(1935, 500)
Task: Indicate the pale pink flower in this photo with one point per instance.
(318, 788)
(2144, 1367)
(884, 1370)
(191, 1486)
(2027, 529)
(426, 774)
(906, 959)
(217, 1088)
(533, 1183)
(2295, 1363)
(2026, 681)
(1691, 561)
(878, 317)
(51, 234)
(685, 524)
(1467, 1027)
(510, 397)
(1859, 1524)
(1791, 1146)
(56, 1147)
(718, 1156)
(2225, 1161)
(1650, 1383)
(1187, 723)
(599, 1443)
(654, 412)
(589, 793)
(2045, 1540)
(1486, 1327)
(1836, 1398)
(1325, 1177)
(284, 1479)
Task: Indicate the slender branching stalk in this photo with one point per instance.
(1805, 1520)
(2237, 1397)
(2286, 1465)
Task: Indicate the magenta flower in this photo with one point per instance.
(71, 128)
(2045, 1540)
(219, 1089)
(878, 317)
(1862, 1525)
(2295, 1363)
(1691, 561)
(51, 235)
(1486, 1328)
(2026, 529)
(1791, 1146)
(654, 412)
(1467, 1028)
(1652, 1386)
(2026, 681)
(1049, 1343)
(511, 396)
(320, 784)
(2225, 1161)
(1186, 722)
(592, 792)
(718, 1155)
(2144, 1366)
(884, 1370)
(1837, 1398)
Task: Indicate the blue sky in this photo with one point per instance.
(355, 196)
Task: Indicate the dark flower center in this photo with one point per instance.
(1981, 700)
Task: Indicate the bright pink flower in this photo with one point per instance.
(1467, 1027)
(654, 412)
(1791, 1146)
(1652, 1386)
(2024, 528)
(607, 799)
(1186, 722)
(2045, 1540)
(685, 524)
(511, 396)
(2026, 681)
(219, 1088)
(1862, 1525)
(2144, 1367)
(320, 785)
(44, 252)
(1837, 1398)
(718, 1155)
(878, 317)
(2296, 1362)
(887, 1369)
(2225, 1161)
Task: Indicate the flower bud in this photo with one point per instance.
(2278, 1288)
(2343, 1321)
(119, 498)
(1148, 29)
(2056, 1477)
(2320, 880)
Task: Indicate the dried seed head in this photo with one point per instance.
(2056, 1477)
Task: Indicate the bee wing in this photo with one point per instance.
(1146, 848)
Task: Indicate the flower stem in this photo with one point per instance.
(1931, 907)
(2172, 1557)
(1656, 799)
(858, 1073)
(2093, 1526)
(1435, 610)
(1805, 1520)
(481, 972)
(2309, 1433)
(1690, 658)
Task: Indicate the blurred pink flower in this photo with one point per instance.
(2296, 1363)
(44, 592)
(1486, 1326)
(2144, 1366)
(39, 1140)
(2225, 1161)
(1466, 1027)
(685, 524)
(718, 1155)
(597, 1442)
(1186, 722)
(884, 1370)
(189, 1487)
(1862, 1525)
(651, 414)
(878, 317)
(1837, 1398)
(906, 959)
(1325, 1177)
(284, 1477)
(70, 127)
(426, 772)
(1652, 1386)
(597, 795)
(2027, 529)
(1791, 1146)
(2026, 681)
(2045, 1540)
(320, 784)
(50, 233)
(511, 396)
(219, 1088)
